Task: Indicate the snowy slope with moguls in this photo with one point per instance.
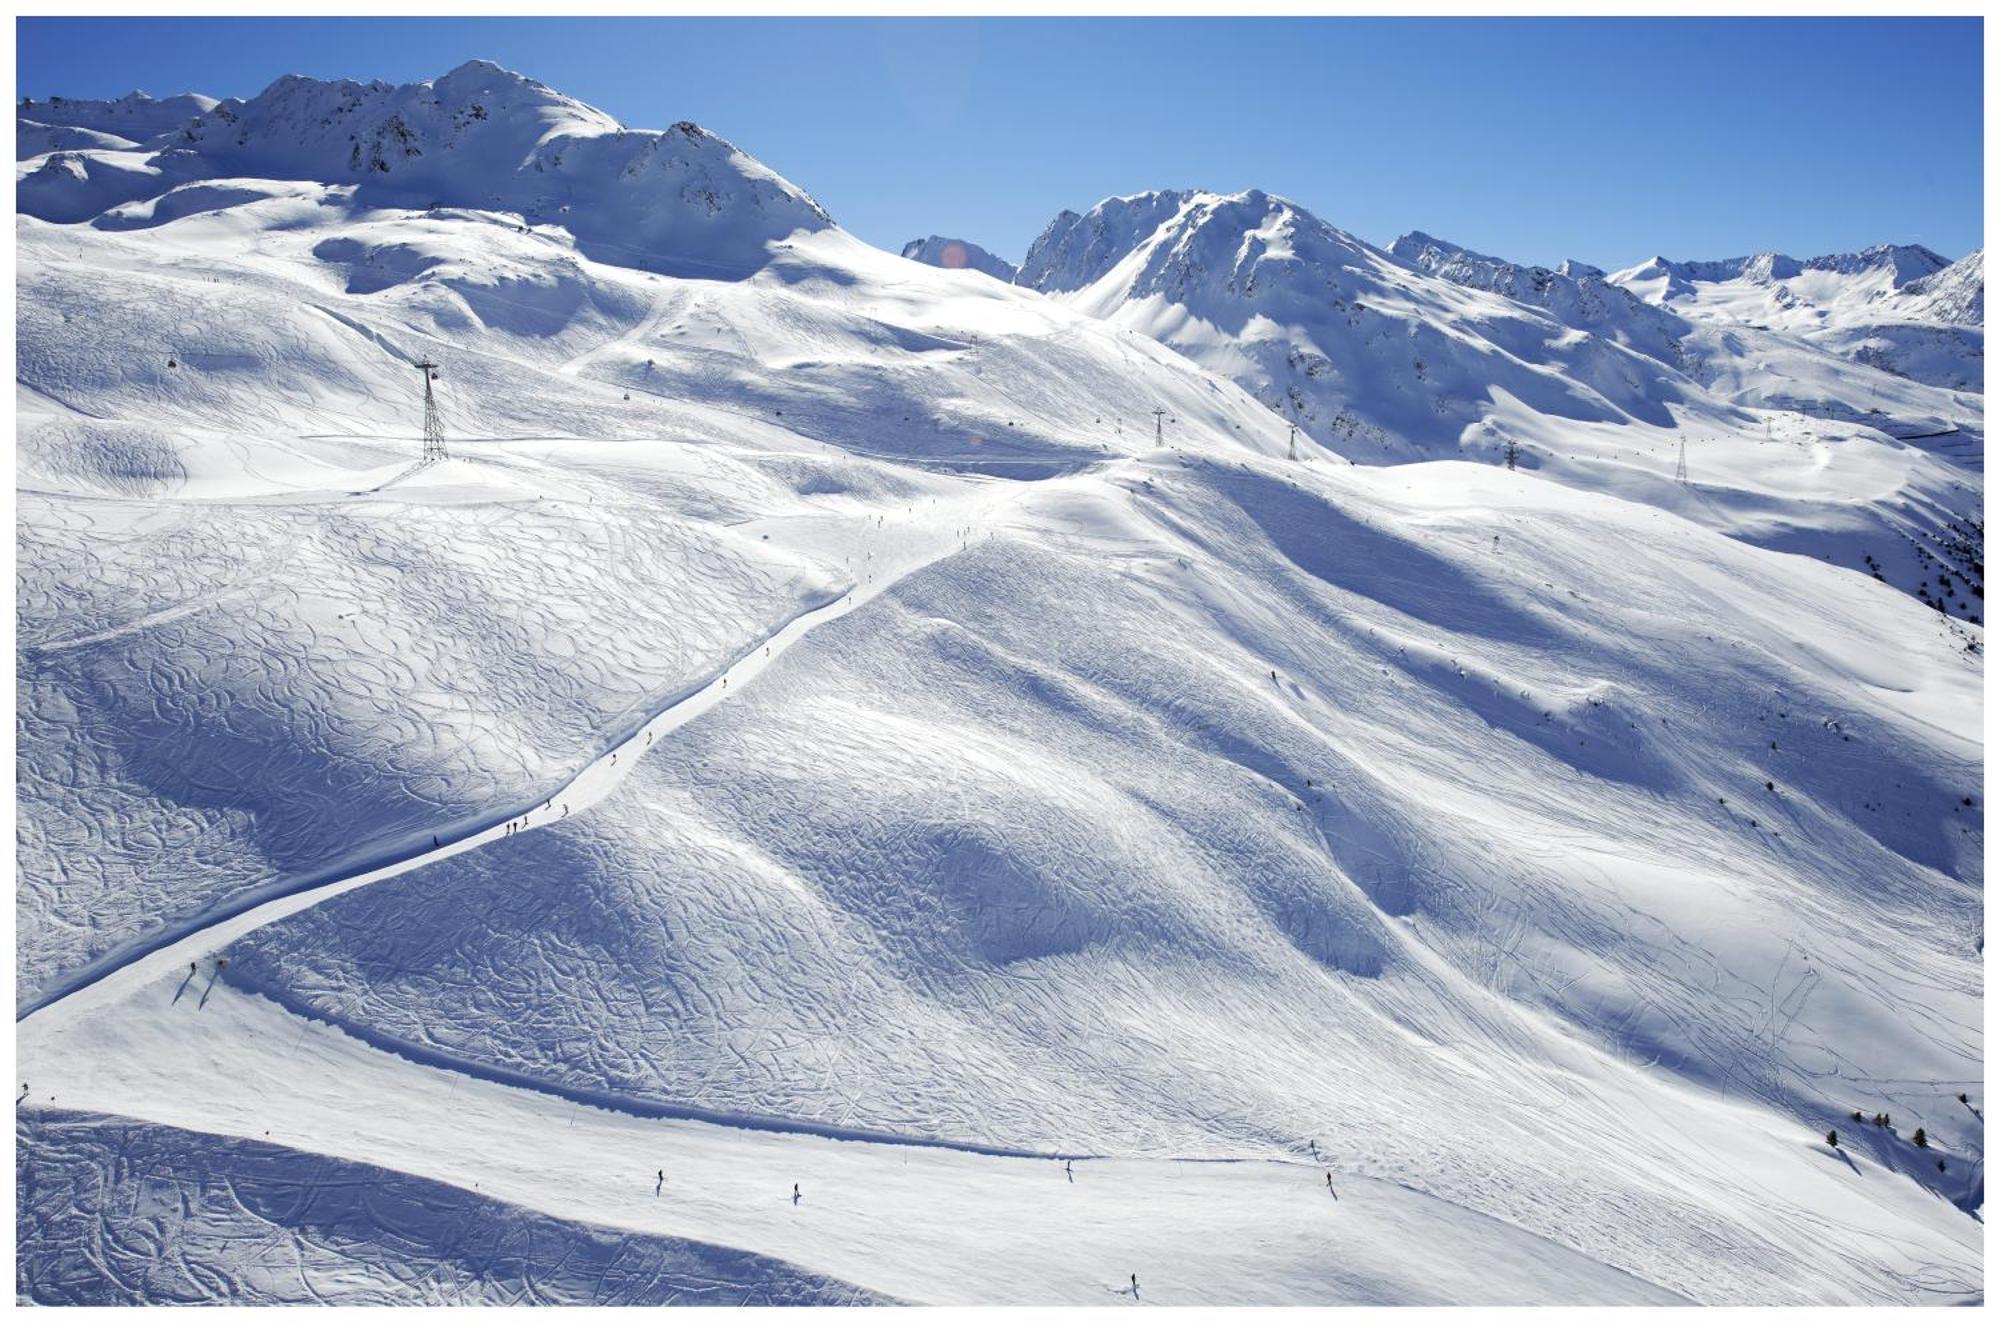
(854, 780)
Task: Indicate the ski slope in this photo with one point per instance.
(810, 733)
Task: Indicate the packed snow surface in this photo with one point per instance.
(860, 781)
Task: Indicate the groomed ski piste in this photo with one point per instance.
(859, 782)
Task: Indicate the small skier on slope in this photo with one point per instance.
(795, 1194)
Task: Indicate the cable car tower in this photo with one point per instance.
(1159, 426)
(433, 425)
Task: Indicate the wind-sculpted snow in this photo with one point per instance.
(118, 1213)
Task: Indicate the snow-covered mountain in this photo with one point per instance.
(1430, 350)
(958, 255)
(1897, 308)
(807, 759)
(1577, 295)
(131, 119)
(479, 137)
(1381, 361)
(1955, 294)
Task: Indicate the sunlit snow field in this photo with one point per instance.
(810, 734)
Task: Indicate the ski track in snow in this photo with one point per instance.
(101, 992)
(809, 736)
(204, 933)
(147, 974)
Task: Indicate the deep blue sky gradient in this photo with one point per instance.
(1607, 140)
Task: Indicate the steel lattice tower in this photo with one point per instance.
(1159, 424)
(433, 425)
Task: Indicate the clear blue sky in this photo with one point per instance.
(1607, 139)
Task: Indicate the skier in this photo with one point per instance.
(1135, 1283)
(1069, 1173)
(1329, 1186)
(795, 1194)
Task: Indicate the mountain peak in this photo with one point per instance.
(1076, 249)
(1904, 262)
(1956, 293)
(1182, 229)
(477, 67)
(958, 255)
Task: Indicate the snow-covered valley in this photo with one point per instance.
(1235, 767)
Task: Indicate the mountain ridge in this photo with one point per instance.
(479, 136)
